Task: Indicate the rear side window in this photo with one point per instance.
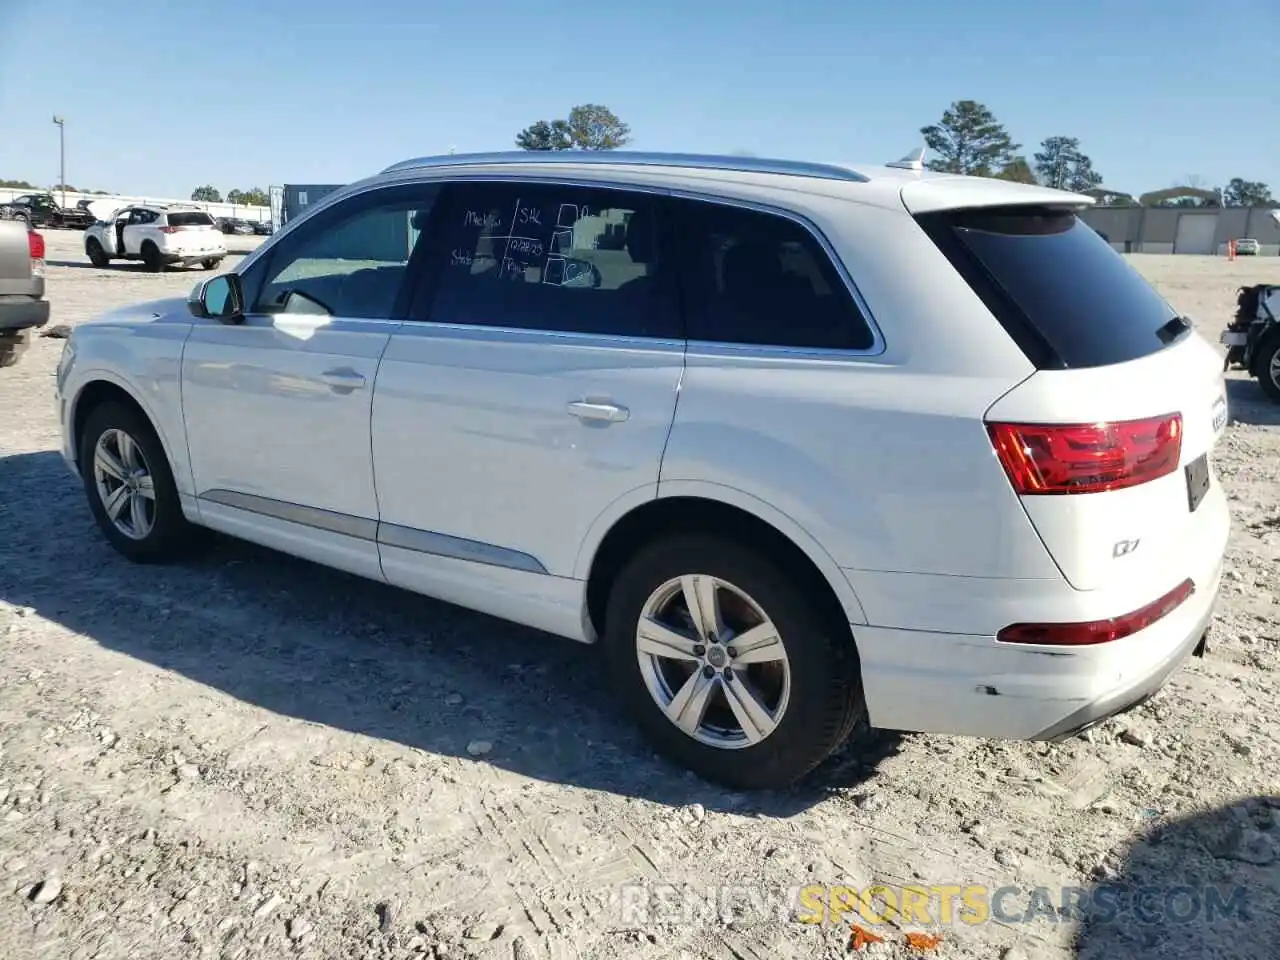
(1063, 294)
(760, 278)
(190, 220)
(538, 256)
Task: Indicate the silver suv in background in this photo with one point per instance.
(22, 303)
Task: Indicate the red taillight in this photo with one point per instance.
(35, 247)
(1098, 631)
(1042, 458)
(170, 229)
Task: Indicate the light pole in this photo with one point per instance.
(62, 155)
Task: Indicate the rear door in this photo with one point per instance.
(535, 390)
(1110, 442)
(140, 224)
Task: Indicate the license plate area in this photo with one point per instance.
(1197, 472)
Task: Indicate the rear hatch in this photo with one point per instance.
(195, 230)
(1108, 442)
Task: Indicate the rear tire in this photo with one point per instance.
(1268, 367)
(151, 258)
(13, 344)
(807, 679)
(130, 486)
(211, 263)
(97, 256)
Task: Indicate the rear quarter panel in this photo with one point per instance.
(883, 460)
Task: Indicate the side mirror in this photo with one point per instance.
(221, 298)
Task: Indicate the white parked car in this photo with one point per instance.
(797, 443)
(1247, 247)
(158, 235)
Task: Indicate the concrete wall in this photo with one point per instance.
(242, 211)
(1154, 229)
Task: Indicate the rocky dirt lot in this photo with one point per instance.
(249, 757)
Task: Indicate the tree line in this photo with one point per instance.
(967, 139)
(255, 197)
(26, 185)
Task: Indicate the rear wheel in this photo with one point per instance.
(1269, 367)
(130, 487)
(151, 257)
(727, 663)
(97, 256)
(211, 263)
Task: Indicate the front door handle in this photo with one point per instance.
(343, 378)
(598, 410)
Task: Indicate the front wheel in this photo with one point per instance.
(728, 664)
(211, 263)
(130, 487)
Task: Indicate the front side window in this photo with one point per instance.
(349, 261)
(548, 257)
(761, 278)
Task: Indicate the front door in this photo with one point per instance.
(533, 392)
(277, 408)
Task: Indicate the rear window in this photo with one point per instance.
(1063, 294)
(190, 220)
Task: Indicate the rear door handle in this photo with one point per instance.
(598, 410)
(343, 378)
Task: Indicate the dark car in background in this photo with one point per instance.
(234, 225)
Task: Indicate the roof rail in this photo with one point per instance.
(795, 168)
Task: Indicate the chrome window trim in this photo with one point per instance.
(878, 345)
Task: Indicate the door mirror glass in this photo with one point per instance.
(221, 298)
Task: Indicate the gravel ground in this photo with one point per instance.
(248, 756)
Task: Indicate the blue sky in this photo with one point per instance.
(238, 93)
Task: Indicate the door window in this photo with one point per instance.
(352, 260)
(549, 257)
(761, 278)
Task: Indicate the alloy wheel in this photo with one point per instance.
(124, 484)
(713, 661)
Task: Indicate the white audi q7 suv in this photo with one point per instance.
(799, 444)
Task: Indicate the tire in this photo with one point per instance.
(97, 256)
(151, 257)
(211, 263)
(818, 705)
(169, 535)
(1267, 366)
(13, 344)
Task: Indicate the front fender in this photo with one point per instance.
(147, 367)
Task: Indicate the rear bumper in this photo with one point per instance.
(18, 313)
(1135, 694)
(918, 675)
(189, 258)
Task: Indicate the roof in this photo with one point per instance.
(903, 182)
